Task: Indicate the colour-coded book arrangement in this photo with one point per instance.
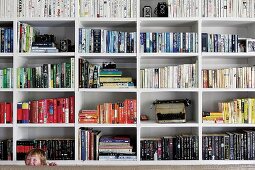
(237, 145)
(168, 42)
(7, 9)
(228, 8)
(106, 41)
(184, 8)
(219, 42)
(59, 75)
(239, 110)
(6, 78)
(180, 147)
(46, 8)
(236, 77)
(174, 76)
(6, 149)
(108, 8)
(97, 76)
(111, 113)
(6, 112)
(55, 149)
(58, 110)
(6, 40)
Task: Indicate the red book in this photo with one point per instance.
(40, 111)
(33, 112)
(8, 113)
(63, 110)
(50, 111)
(71, 109)
(125, 112)
(2, 113)
(135, 110)
(66, 110)
(44, 109)
(19, 112)
(130, 111)
(55, 107)
(60, 110)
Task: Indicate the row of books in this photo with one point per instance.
(26, 36)
(219, 42)
(95, 76)
(178, 76)
(47, 76)
(6, 9)
(6, 112)
(6, 78)
(111, 113)
(58, 110)
(177, 8)
(241, 77)
(46, 8)
(238, 110)
(6, 149)
(55, 149)
(106, 41)
(228, 8)
(88, 140)
(180, 147)
(229, 146)
(108, 8)
(6, 40)
(168, 42)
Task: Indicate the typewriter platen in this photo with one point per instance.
(171, 111)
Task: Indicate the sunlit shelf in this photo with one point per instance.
(220, 55)
(227, 162)
(108, 55)
(226, 22)
(119, 163)
(154, 124)
(5, 55)
(167, 55)
(228, 90)
(170, 162)
(227, 125)
(6, 89)
(105, 125)
(46, 90)
(6, 125)
(46, 125)
(108, 90)
(169, 90)
(49, 55)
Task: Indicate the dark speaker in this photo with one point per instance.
(65, 45)
(162, 10)
(147, 11)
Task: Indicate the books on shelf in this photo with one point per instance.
(6, 78)
(236, 77)
(168, 42)
(6, 149)
(177, 9)
(180, 147)
(58, 110)
(6, 39)
(7, 9)
(6, 112)
(108, 8)
(106, 41)
(227, 8)
(111, 113)
(178, 76)
(46, 8)
(59, 75)
(55, 149)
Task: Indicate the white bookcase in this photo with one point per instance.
(202, 99)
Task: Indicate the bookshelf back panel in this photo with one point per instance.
(156, 63)
(147, 107)
(6, 97)
(29, 96)
(45, 133)
(6, 133)
(218, 130)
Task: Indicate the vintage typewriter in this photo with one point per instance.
(171, 111)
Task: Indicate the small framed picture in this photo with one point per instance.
(242, 45)
(251, 45)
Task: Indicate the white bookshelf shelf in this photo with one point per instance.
(227, 90)
(47, 55)
(169, 90)
(6, 125)
(219, 55)
(228, 125)
(226, 22)
(46, 125)
(168, 55)
(45, 89)
(108, 90)
(153, 124)
(107, 125)
(108, 55)
(6, 89)
(5, 55)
